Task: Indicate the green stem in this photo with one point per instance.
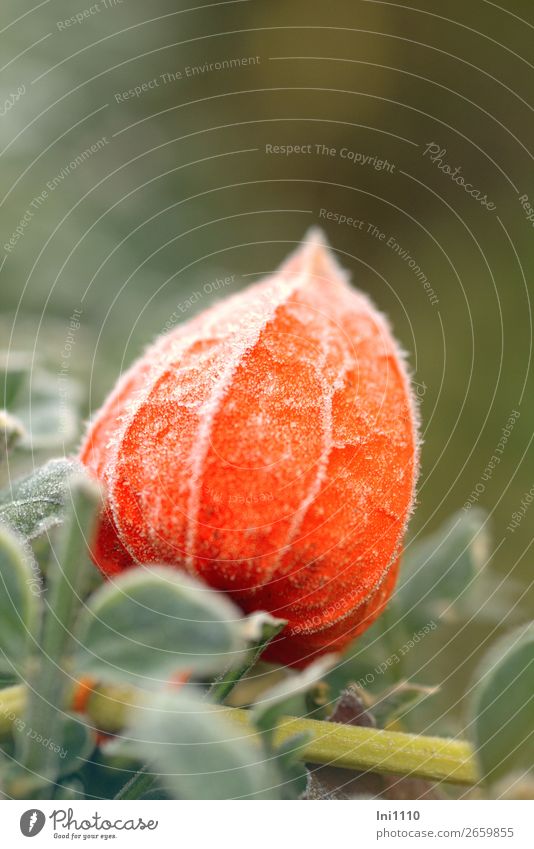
(49, 680)
(358, 748)
(137, 785)
(12, 706)
(346, 746)
(223, 686)
(11, 431)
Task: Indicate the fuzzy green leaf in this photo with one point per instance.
(14, 368)
(48, 412)
(198, 752)
(437, 574)
(153, 622)
(399, 700)
(440, 576)
(77, 743)
(19, 605)
(502, 706)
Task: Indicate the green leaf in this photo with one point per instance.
(261, 627)
(70, 788)
(502, 705)
(19, 605)
(258, 629)
(48, 411)
(293, 772)
(138, 786)
(364, 662)
(50, 679)
(14, 368)
(46, 406)
(77, 743)
(35, 504)
(438, 573)
(395, 702)
(440, 579)
(152, 622)
(198, 752)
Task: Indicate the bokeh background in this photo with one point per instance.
(158, 195)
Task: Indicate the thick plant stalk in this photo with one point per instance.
(347, 746)
(353, 747)
(48, 678)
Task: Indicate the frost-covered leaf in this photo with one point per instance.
(19, 604)
(152, 622)
(502, 705)
(35, 504)
(198, 752)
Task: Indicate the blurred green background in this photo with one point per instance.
(179, 190)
